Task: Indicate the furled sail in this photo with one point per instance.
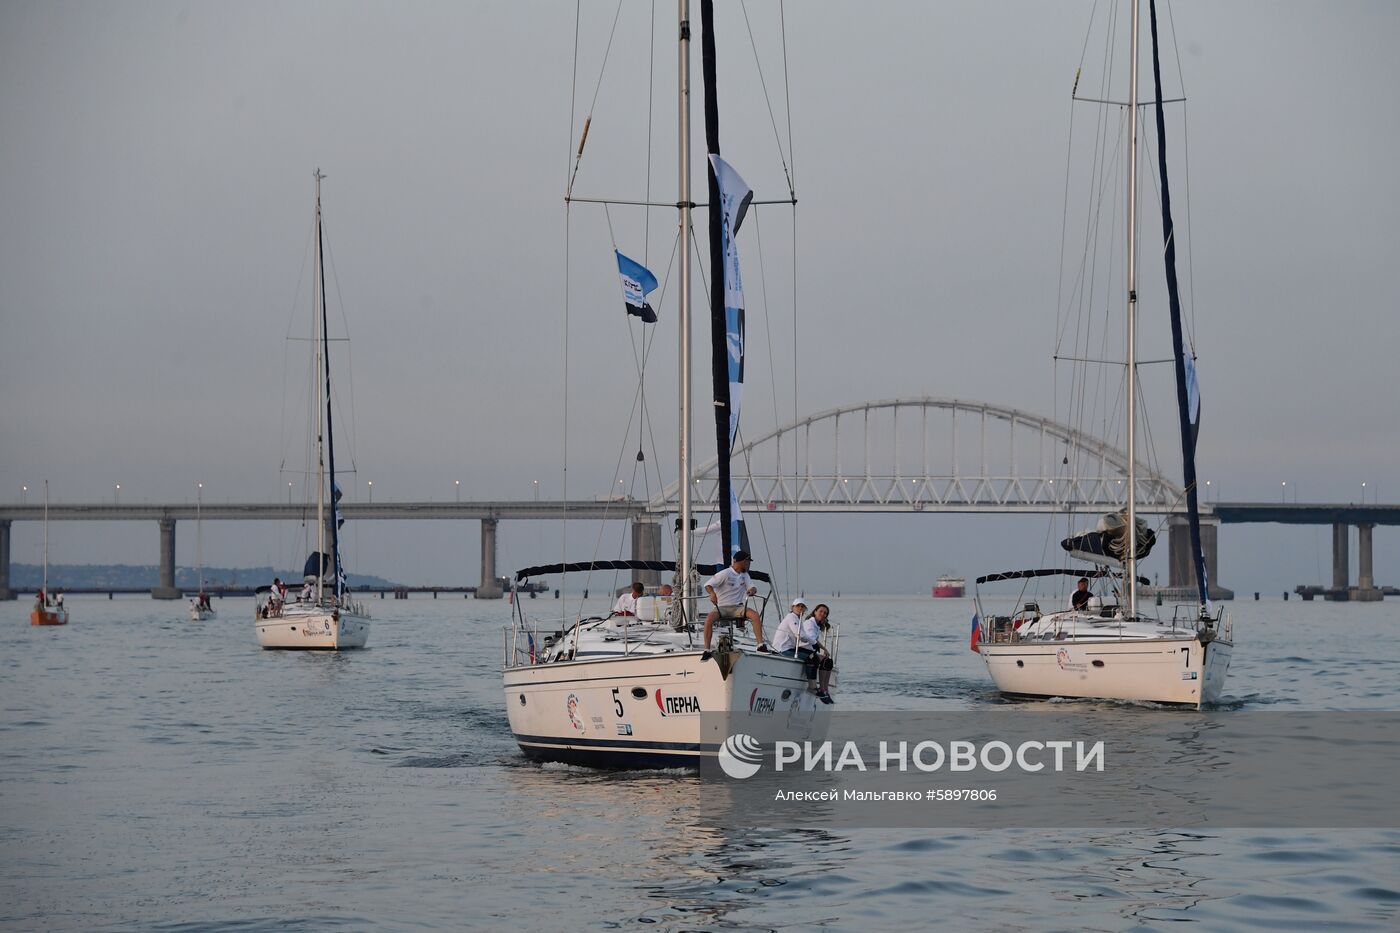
(729, 202)
(1188, 395)
(337, 521)
(1108, 542)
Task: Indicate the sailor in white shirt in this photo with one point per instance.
(808, 646)
(789, 634)
(626, 604)
(728, 589)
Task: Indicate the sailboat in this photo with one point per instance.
(1105, 646)
(322, 616)
(200, 607)
(47, 610)
(635, 691)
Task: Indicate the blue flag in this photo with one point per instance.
(637, 283)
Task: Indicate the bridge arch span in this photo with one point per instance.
(931, 454)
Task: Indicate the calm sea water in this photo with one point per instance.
(157, 773)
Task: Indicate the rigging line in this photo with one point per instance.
(651, 114)
(665, 282)
(602, 70)
(639, 356)
(797, 514)
(787, 98)
(1061, 310)
(772, 368)
(347, 418)
(287, 337)
(569, 167)
(772, 119)
(1088, 266)
(762, 526)
(564, 525)
(607, 508)
(1186, 164)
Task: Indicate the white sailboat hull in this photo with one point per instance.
(645, 711)
(199, 615)
(313, 630)
(1176, 671)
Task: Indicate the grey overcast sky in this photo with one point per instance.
(156, 202)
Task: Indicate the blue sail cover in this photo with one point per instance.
(734, 199)
(1188, 395)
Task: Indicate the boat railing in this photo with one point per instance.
(516, 654)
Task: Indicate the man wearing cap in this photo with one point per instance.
(728, 589)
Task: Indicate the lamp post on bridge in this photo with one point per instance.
(458, 484)
(289, 492)
(117, 496)
(24, 494)
(371, 490)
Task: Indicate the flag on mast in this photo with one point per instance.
(637, 283)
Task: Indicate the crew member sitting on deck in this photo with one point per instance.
(626, 604)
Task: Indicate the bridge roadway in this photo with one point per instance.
(647, 528)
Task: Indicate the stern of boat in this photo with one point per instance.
(650, 711)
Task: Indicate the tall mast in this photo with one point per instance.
(319, 286)
(46, 542)
(1130, 558)
(199, 533)
(684, 557)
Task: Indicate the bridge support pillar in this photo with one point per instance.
(1365, 581)
(5, 592)
(1341, 564)
(490, 587)
(1181, 571)
(646, 545)
(166, 589)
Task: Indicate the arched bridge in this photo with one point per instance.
(931, 454)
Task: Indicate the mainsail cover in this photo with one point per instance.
(330, 433)
(1188, 395)
(1108, 542)
(729, 202)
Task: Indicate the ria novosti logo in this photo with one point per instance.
(740, 756)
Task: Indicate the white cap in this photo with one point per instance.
(799, 602)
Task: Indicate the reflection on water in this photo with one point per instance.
(166, 774)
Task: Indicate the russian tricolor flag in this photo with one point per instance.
(976, 633)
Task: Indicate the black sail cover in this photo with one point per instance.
(1188, 396)
(729, 200)
(318, 564)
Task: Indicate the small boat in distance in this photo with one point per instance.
(47, 610)
(322, 616)
(950, 587)
(200, 608)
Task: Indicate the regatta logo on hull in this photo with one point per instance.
(677, 706)
(572, 706)
(761, 706)
(1062, 659)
